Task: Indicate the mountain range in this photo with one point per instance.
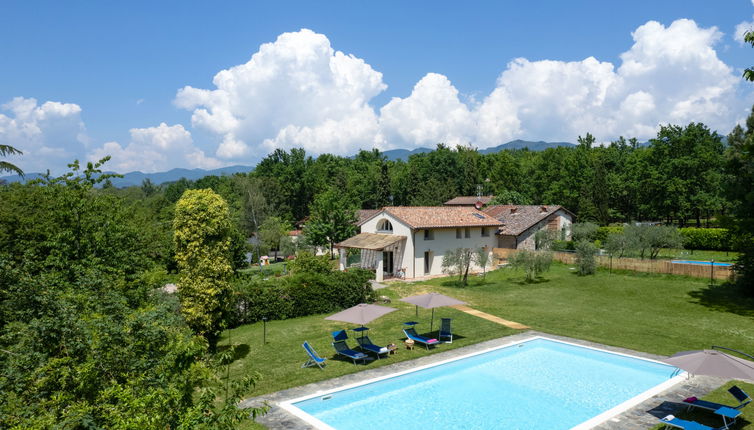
(136, 178)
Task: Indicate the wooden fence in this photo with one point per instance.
(653, 266)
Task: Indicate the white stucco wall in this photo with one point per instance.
(444, 240)
(400, 229)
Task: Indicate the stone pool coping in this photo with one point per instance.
(642, 416)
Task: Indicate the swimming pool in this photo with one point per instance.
(705, 263)
(535, 384)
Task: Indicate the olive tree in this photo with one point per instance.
(533, 263)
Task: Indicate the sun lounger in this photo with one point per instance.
(445, 331)
(673, 422)
(341, 348)
(314, 358)
(743, 400)
(411, 334)
(366, 344)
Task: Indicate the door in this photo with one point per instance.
(387, 261)
(427, 262)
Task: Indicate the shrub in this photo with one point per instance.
(585, 259)
(584, 231)
(298, 295)
(562, 245)
(714, 239)
(306, 262)
(533, 263)
(604, 232)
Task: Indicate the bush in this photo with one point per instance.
(584, 231)
(713, 239)
(562, 245)
(298, 295)
(604, 232)
(306, 262)
(585, 260)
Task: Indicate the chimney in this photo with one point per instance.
(478, 205)
(543, 209)
(513, 210)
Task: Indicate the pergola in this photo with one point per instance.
(372, 245)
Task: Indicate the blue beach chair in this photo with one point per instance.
(445, 331)
(342, 348)
(314, 358)
(411, 333)
(366, 344)
(677, 423)
(739, 394)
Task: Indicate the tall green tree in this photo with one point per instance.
(5, 166)
(203, 252)
(332, 219)
(272, 232)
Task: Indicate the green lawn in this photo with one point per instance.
(660, 314)
(690, 254)
(269, 270)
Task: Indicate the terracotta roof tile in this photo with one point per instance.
(442, 216)
(364, 214)
(517, 219)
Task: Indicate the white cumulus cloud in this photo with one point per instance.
(155, 149)
(741, 29)
(296, 91)
(49, 135)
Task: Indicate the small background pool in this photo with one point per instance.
(704, 263)
(538, 384)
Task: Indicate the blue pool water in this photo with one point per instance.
(538, 384)
(705, 263)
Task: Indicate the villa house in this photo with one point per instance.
(411, 241)
(521, 222)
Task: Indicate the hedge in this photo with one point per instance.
(298, 295)
(713, 239)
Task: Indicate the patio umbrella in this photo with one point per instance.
(432, 301)
(362, 313)
(713, 363)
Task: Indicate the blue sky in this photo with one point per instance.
(413, 74)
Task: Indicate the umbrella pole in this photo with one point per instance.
(432, 321)
(417, 311)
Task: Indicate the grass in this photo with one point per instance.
(691, 254)
(660, 314)
(269, 270)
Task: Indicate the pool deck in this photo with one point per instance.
(643, 416)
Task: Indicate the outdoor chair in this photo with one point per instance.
(314, 358)
(445, 331)
(341, 348)
(366, 344)
(411, 334)
(739, 394)
(677, 423)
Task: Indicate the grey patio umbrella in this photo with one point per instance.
(713, 363)
(432, 301)
(362, 313)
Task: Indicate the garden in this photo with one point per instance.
(660, 314)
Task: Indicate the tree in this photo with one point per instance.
(544, 238)
(482, 259)
(202, 242)
(740, 176)
(5, 166)
(457, 261)
(533, 263)
(271, 233)
(510, 197)
(585, 260)
(749, 72)
(332, 219)
(147, 187)
(648, 240)
(584, 231)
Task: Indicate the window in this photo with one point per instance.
(427, 262)
(428, 235)
(385, 226)
(485, 232)
(467, 233)
(458, 233)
